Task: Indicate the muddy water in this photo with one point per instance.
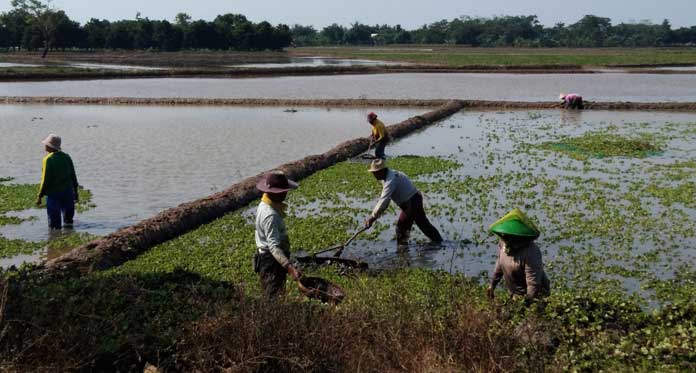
(517, 87)
(139, 161)
(487, 144)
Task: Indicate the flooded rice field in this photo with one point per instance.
(140, 161)
(612, 214)
(613, 194)
(516, 87)
(319, 62)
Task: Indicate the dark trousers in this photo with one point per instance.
(576, 103)
(60, 205)
(412, 211)
(271, 274)
(379, 148)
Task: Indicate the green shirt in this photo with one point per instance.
(57, 174)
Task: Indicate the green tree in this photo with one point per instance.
(42, 17)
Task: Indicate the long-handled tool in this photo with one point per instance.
(343, 246)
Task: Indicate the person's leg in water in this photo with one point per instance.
(67, 208)
(53, 210)
(422, 220)
(379, 149)
(404, 224)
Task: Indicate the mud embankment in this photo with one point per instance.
(37, 74)
(469, 104)
(130, 101)
(128, 243)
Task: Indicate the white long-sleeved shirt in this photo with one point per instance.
(271, 234)
(395, 187)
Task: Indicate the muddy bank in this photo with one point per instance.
(129, 242)
(219, 101)
(37, 74)
(471, 104)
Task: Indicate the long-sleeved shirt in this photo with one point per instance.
(379, 131)
(397, 187)
(522, 271)
(571, 96)
(57, 174)
(271, 234)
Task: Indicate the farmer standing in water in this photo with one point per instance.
(398, 187)
(58, 184)
(379, 137)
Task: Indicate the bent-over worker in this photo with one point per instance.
(397, 187)
(58, 184)
(379, 137)
(572, 101)
(519, 261)
(271, 260)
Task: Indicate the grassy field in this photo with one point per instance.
(462, 57)
(219, 63)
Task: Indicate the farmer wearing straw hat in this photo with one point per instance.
(379, 137)
(571, 101)
(519, 258)
(58, 184)
(272, 242)
(397, 187)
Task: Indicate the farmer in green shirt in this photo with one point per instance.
(58, 184)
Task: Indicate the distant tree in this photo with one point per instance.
(96, 33)
(334, 34)
(304, 35)
(182, 19)
(166, 37)
(15, 23)
(69, 34)
(201, 35)
(120, 35)
(42, 17)
(359, 33)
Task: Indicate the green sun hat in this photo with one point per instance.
(515, 223)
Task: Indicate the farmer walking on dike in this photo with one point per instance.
(58, 184)
(396, 186)
(379, 137)
(272, 242)
(571, 101)
(519, 261)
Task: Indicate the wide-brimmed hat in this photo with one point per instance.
(371, 117)
(378, 164)
(515, 223)
(52, 141)
(562, 96)
(275, 182)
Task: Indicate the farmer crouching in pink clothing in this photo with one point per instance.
(571, 101)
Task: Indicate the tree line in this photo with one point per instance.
(34, 24)
(505, 31)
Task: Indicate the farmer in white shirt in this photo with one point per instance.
(397, 187)
(272, 242)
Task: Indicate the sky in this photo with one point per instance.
(408, 13)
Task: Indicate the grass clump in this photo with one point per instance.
(601, 145)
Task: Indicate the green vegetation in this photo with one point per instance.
(600, 145)
(19, 197)
(462, 57)
(617, 244)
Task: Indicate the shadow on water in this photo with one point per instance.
(449, 256)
